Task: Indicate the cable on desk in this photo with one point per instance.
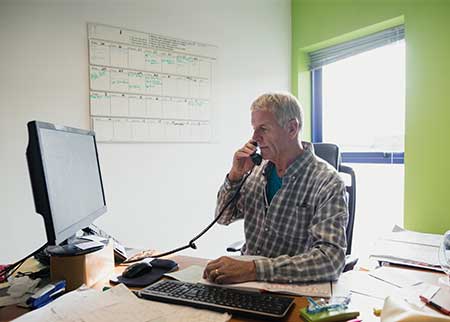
(10, 269)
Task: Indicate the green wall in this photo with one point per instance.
(319, 23)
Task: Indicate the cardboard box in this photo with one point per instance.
(85, 269)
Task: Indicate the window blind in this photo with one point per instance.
(334, 53)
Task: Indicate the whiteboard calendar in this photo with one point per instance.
(149, 88)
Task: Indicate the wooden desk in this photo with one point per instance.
(186, 261)
(361, 303)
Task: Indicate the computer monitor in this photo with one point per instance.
(65, 178)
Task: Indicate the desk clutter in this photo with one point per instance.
(394, 293)
(116, 304)
(408, 248)
(398, 291)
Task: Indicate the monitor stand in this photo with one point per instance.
(70, 248)
(87, 268)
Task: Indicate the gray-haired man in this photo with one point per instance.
(293, 205)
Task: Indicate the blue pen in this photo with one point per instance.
(47, 294)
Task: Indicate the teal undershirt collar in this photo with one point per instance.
(274, 182)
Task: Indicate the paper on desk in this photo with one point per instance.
(413, 237)
(93, 238)
(315, 289)
(395, 309)
(191, 274)
(411, 294)
(395, 276)
(20, 289)
(87, 245)
(194, 274)
(408, 254)
(116, 304)
(362, 283)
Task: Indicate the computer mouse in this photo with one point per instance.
(137, 270)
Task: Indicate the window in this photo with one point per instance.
(359, 104)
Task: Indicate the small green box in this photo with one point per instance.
(328, 316)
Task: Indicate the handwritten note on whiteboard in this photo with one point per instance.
(149, 88)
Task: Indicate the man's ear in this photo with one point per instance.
(292, 128)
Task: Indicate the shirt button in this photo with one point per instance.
(293, 177)
(257, 251)
(290, 281)
(266, 229)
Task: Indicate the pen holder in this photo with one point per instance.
(85, 269)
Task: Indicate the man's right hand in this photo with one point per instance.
(242, 163)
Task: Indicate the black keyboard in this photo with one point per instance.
(252, 304)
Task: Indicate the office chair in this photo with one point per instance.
(329, 152)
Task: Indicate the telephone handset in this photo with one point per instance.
(256, 157)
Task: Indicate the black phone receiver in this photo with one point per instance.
(256, 157)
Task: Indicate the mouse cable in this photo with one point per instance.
(191, 243)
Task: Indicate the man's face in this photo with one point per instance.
(271, 137)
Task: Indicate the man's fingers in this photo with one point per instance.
(250, 146)
(210, 268)
(248, 150)
(214, 261)
(222, 279)
(213, 275)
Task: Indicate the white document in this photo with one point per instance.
(316, 289)
(191, 274)
(413, 237)
(88, 245)
(116, 304)
(361, 283)
(395, 276)
(405, 253)
(411, 294)
(94, 238)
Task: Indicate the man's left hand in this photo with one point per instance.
(226, 270)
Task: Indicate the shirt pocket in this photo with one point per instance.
(295, 226)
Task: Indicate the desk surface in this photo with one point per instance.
(363, 304)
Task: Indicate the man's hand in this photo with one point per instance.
(226, 270)
(242, 162)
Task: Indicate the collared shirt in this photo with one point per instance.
(301, 233)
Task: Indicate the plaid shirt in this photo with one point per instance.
(301, 234)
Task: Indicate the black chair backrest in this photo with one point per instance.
(330, 153)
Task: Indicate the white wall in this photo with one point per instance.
(158, 195)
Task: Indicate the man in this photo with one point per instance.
(293, 204)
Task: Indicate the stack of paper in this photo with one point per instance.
(116, 304)
(409, 248)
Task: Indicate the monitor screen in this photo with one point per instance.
(65, 178)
